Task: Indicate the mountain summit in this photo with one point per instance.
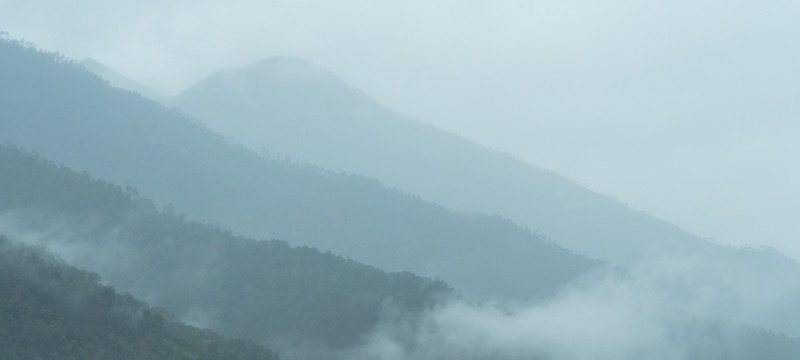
(338, 127)
(288, 107)
(74, 118)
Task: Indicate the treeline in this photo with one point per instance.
(50, 310)
(266, 291)
(70, 116)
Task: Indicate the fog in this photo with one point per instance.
(670, 307)
(609, 315)
(680, 108)
(662, 310)
(684, 109)
(607, 320)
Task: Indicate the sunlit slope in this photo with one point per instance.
(50, 310)
(72, 117)
(266, 291)
(287, 107)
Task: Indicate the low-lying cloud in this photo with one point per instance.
(606, 320)
(671, 306)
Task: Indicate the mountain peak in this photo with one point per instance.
(285, 68)
(286, 83)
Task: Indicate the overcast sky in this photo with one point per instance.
(686, 109)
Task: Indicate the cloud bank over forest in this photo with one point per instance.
(670, 308)
(656, 312)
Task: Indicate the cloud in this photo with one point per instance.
(683, 108)
(602, 320)
(668, 308)
(672, 306)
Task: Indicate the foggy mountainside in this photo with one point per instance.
(50, 310)
(255, 241)
(297, 299)
(266, 291)
(170, 158)
(288, 107)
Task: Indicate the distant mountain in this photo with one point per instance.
(50, 310)
(118, 80)
(287, 107)
(266, 291)
(72, 117)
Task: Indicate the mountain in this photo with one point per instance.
(310, 304)
(266, 291)
(50, 310)
(272, 292)
(65, 114)
(288, 107)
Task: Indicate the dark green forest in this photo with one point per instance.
(170, 158)
(261, 290)
(50, 310)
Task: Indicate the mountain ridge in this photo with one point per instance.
(170, 158)
(359, 136)
(112, 132)
(362, 137)
(266, 291)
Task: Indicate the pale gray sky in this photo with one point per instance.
(686, 109)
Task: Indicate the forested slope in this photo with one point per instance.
(266, 291)
(50, 310)
(59, 110)
(289, 107)
(301, 298)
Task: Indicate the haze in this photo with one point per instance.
(684, 109)
(277, 205)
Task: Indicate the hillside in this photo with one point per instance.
(57, 109)
(287, 107)
(687, 303)
(266, 291)
(50, 310)
(298, 299)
